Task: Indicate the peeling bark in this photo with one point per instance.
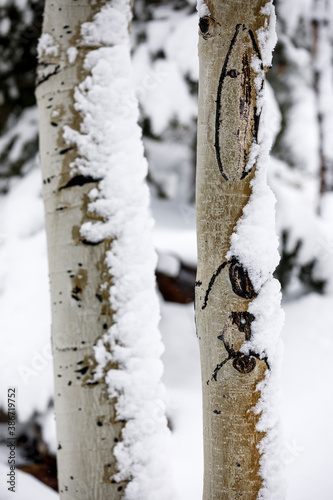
(227, 128)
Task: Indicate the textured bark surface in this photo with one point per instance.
(227, 127)
(81, 311)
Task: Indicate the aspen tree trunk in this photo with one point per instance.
(227, 128)
(322, 81)
(81, 312)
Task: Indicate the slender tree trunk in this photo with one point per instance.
(230, 65)
(86, 431)
(102, 321)
(322, 86)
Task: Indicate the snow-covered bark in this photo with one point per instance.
(238, 312)
(110, 404)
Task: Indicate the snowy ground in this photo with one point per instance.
(28, 488)
(307, 377)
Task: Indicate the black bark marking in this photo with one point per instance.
(240, 281)
(243, 321)
(76, 293)
(245, 103)
(211, 283)
(63, 151)
(244, 363)
(79, 282)
(218, 104)
(245, 100)
(79, 180)
(91, 243)
(233, 73)
(204, 24)
(218, 368)
(83, 370)
(208, 27)
(241, 286)
(48, 179)
(45, 78)
(217, 412)
(245, 107)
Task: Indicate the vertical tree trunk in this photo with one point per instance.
(230, 87)
(86, 428)
(93, 178)
(322, 85)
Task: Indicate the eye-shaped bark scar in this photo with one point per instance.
(236, 331)
(208, 27)
(237, 121)
(239, 279)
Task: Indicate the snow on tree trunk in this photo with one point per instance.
(110, 404)
(238, 313)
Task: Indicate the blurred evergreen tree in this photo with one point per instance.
(20, 27)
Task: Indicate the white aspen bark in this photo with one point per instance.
(322, 81)
(227, 136)
(86, 428)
